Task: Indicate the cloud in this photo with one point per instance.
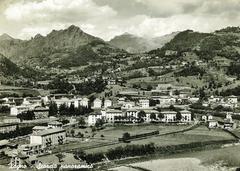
(57, 11)
(107, 18)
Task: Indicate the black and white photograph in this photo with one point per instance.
(120, 85)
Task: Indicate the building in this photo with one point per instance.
(128, 105)
(31, 149)
(107, 103)
(41, 112)
(11, 119)
(232, 99)
(144, 103)
(84, 102)
(149, 113)
(92, 118)
(169, 116)
(49, 137)
(16, 110)
(186, 116)
(110, 114)
(97, 103)
(212, 124)
(36, 129)
(55, 124)
(6, 128)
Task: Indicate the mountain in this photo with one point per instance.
(63, 48)
(224, 43)
(135, 44)
(7, 67)
(5, 37)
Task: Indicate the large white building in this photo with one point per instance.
(110, 114)
(49, 137)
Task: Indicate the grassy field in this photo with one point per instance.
(10, 90)
(200, 134)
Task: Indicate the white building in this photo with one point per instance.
(144, 103)
(49, 137)
(109, 115)
(15, 110)
(97, 103)
(107, 103)
(232, 99)
(92, 118)
(186, 116)
(84, 102)
(55, 124)
(169, 116)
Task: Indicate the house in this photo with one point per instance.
(97, 103)
(107, 103)
(232, 99)
(128, 105)
(84, 102)
(39, 128)
(55, 124)
(149, 113)
(169, 116)
(166, 101)
(212, 124)
(16, 110)
(186, 116)
(110, 114)
(6, 128)
(144, 103)
(41, 112)
(49, 137)
(31, 149)
(132, 113)
(207, 117)
(92, 118)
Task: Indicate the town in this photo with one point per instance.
(55, 127)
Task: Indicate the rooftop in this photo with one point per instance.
(49, 132)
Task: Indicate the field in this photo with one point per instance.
(111, 135)
(11, 90)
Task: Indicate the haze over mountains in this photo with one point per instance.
(135, 44)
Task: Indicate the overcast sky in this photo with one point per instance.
(107, 18)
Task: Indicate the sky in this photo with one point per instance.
(107, 18)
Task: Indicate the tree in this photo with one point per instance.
(72, 109)
(29, 115)
(126, 136)
(178, 116)
(141, 115)
(63, 109)
(60, 157)
(99, 123)
(72, 132)
(160, 116)
(81, 121)
(153, 116)
(171, 107)
(53, 109)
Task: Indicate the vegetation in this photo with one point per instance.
(29, 115)
(20, 131)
